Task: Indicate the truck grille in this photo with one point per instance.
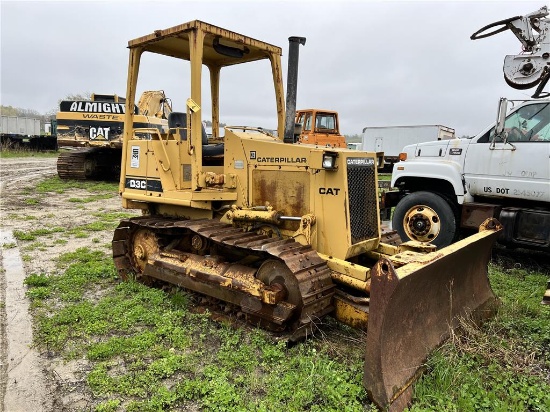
(363, 199)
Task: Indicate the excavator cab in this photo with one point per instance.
(282, 233)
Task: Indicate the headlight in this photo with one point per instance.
(329, 161)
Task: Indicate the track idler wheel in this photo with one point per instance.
(277, 275)
(144, 245)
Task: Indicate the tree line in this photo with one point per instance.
(44, 117)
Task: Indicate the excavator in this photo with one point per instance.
(94, 128)
(531, 67)
(283, 234)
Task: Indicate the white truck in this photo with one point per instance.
(392, 139)
(17, 131)
(20, 127)
(504, 172)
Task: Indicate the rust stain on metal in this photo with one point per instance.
(437, 290)
(290, 297)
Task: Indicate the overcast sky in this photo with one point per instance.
(376, 63)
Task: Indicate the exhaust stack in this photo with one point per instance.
(292, 86)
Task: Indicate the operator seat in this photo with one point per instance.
(179, 119)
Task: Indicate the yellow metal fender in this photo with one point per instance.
(413, 308)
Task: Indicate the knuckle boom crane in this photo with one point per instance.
(531, 67)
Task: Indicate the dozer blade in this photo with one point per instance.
(413, 309)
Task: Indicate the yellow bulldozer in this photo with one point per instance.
(94, 129)
(285, 234)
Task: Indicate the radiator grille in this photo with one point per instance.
(362, 199)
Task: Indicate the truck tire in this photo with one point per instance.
(425, 217)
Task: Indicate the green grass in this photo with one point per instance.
(89, 199)
(13, 153)
(149, 351)
(31, 201)
(110, 222)
(40, 246)
(33, 234)
(502, 366)
(57, 185)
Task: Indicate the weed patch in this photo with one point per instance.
(57, 185)
(10, 153)
(503, 365)
(148, 351)
(33, 234)
(89, 199)
(32, 201)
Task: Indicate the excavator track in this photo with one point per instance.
(151, 248)
(89, 163)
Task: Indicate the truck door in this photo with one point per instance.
(517, 166)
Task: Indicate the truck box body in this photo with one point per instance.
(392, 139)
(17, 131)
(20, 126)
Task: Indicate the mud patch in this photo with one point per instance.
(23, 378)
(31, 381)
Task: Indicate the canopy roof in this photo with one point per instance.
(221, 47)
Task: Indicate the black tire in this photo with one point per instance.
(426, 217)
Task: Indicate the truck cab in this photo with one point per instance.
(446, 187)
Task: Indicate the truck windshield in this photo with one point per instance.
(528, 123)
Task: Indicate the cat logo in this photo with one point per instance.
(99, 133)
(329, 191)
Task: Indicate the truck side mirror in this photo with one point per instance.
(499, 127)
(501, 116)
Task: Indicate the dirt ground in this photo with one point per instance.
(29, 380)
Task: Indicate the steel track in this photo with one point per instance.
(312, 277)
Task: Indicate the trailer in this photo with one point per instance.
(27, 132)
(392, 139)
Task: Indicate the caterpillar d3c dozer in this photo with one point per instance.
(94, 128)
(283, 233)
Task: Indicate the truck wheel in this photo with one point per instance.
(425, 217)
